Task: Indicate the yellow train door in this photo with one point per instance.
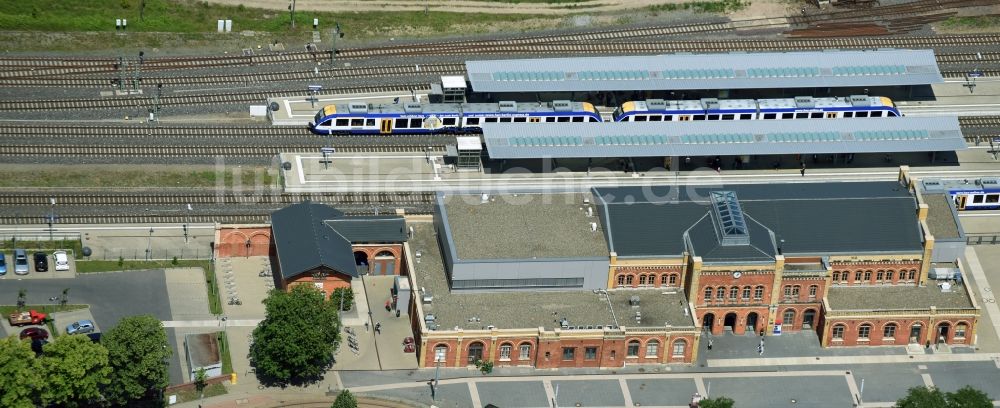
(960, 201)
(386, 126)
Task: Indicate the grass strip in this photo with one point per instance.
(84, 266)
(85, 177)
(227, 358)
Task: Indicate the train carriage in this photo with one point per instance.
(414, 118)
(803, 107)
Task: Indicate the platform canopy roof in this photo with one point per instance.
(722, 138)
(807, 69)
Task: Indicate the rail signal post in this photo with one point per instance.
(337, 33)
(51, 218)
(327, 151)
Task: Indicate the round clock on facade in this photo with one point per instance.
(737, 274)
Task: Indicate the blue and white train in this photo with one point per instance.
(414, 117)
(409, 118)
(802, 107)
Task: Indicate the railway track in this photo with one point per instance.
(249, 78)
(132, 198)
(132, 150)
(979, 121)
(408, 70)
(144, 102)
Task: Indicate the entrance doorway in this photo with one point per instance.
(361, 262)
(730, 322)
(807, 319)
(942, 332)
(708, 322)
(915, 333)
(475, 352)
(752, 322)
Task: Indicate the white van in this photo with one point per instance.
(62, 261)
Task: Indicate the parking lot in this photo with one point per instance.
(111, 296)
(33, 272)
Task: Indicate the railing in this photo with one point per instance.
(983, 239)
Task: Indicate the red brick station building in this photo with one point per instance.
(623, 276)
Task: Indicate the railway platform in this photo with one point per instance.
(416, 172)
(299, 110)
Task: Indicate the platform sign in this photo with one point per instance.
(328, 150)
(777, 329)
(974, 74)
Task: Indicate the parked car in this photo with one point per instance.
(34, 333)
(41, 262)
(80, 327)
(3, 265)
(62, 261)
(20, 262)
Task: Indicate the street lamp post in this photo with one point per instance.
(51, 218)
(149, 245)
(291, 9)
(187, 220)
(437, 376)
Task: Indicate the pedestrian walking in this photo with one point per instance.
(803, 170)
(760, 350)
(761, 342)
(366, 326)
(378, 327)
(709, 344)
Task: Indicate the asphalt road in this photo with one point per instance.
(111, 296)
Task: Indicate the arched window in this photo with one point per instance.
(864, 331)
(628, 280)
(673, 279)
(733, 292)
(505, 350)
(663, 280)
(758, 293)
(913, 274)
(652, 348)
(708, 294)
(879, 276)
(680, 348)
(812, 290)
(746, 293)
(788, 291)
(385, 254)
(836, 276)
(475, 352)
(642, 279)
(788, 318)
(440, 353)
(720, 294)
(633, 349)
(838, 332)
(857, 276)
(889, 331)
(868, 276)
(621, 280)
(889, 275)
(795, 290)
(960, 330)
(524, 351)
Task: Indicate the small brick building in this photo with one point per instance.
(317, 244)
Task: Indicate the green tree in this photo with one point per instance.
(75, 369)
(922, 397)
(345, 400)
(199, 381)
(348, 297)
(19, 376)
(297, 339)
(968, 397)
(720, 402)
(139, 354)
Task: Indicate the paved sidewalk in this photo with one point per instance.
(213, 323)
